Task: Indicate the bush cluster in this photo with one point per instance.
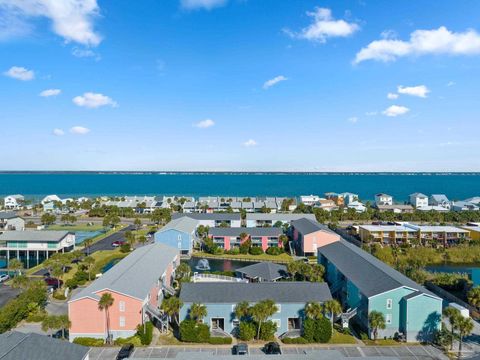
(134, 340)
(319, 331)
(273, 250)
(88, 341)
(255, 250)
(247, 331)
(190, 331)
(145, 333)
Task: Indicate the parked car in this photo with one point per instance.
(272, 348)
(4, 277)
(240, 349)
(54, 282)
(125, 351)
(118, 243)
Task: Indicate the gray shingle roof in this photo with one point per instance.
(267, 271)
(8, 215)
(307, 226)
(232, 293)
(280, 217)
(33, 235)
(213, 216)
(252, 231)
(15, 345)
(370, 275)
(184, 224)
(134, 275)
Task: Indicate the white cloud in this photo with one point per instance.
(79, 130)
(71, 19)
(85, 53)
(205, 123)
(395, 110)
(274, 81)
(58, 132)
(422, 42)
(451, 83)
(371, 113)
(324, 26)
(93, 100)
(353, 119)
(50, 92)
(392, 96)
(202, 4)
(20, 73)
(250, 143)
(419, 91)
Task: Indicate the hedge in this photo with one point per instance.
(248, 330)
(298, 340)
(273, 250)
(317, 330)
(145, 333)
(88, 341)
(190, 331)
(255, 250)
(134, 340)
(220, 340)
(267, 331)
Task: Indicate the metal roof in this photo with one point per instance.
(210, 216)
(233, 293)
(252, 231)
(307, 226)
(8, 215)
(267, 271)
(15, 345)
(134, 275)
(370, 275)
(34, 235)
(279, 217)
(183, 224)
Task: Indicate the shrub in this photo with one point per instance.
(37, 316)
(71, 283)
(274, 250)
(81, 277)
(245, 246)
(255, 250)
(233, 251)
(190, 331)
(125, 248)
(59, 295)
(298, 340)
(317, 330)
(308, 330)
(248, 330)
(134, 340)
(267, 330)
(88, 341)
(145, 333)
(220, 340)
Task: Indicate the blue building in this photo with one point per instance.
(221, 298)
(364, 284)
(179, 233)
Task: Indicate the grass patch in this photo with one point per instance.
(103, 257)
(382, 342)
(282, 258)
(75, 227)
(339, 338)
(168, 339)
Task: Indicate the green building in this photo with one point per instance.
(363, 284)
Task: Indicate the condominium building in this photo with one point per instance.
(213, 219)
(264, 237)
(265, 220)
(308, 235)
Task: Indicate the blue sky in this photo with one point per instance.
(298, 85)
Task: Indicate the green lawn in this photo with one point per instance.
(383, 342)
(339, 338)
(76, 227)
(282, 258)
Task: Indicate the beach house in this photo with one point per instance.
(364, 284)
(418, 200)
(13, 202)
(308, 235)
(179, 233)
(9, 221)
(137, 284)
(383, 199)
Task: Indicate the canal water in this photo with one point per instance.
(218, 264)
(473, 270)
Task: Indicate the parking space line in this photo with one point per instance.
(150, 354)
(99, 355)
(394, 351)
(166, 354)
(411, 352)
(360, 350)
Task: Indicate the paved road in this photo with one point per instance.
(163, 352)
(106, 243)
(7, 293)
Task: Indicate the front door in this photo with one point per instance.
(218, 323)
(294, 324)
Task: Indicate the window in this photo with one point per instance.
(388, 319)
(235, 323)
(121, 306)
(122, 321)
(389, 303)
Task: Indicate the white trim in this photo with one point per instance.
(279, 306)
(217, 317)
(278, 322)
(388, 319)
(122, 321)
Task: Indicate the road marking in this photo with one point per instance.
(394, 351)
(101, 352)
(411, 352)
(166, 354)
(150, 354)
(360, 350)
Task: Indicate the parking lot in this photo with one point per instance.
(165, 352)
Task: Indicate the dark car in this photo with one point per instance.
(240, 349)
(272, 348)
(50, 281)
(125, 351)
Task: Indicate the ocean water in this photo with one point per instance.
(400, 185)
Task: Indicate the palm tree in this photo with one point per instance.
(261, 311)
(376, 321)
(293, 268)
(183, 271)
(20, 282)
(333, 308)
(465, 328)
(313, 310)
(64, 323)
(198, 312)
(106, 301)
(242, 310)
(89, 261)
(15, 265)
(474, 296)
(171, 307)
(87, 243)
(452, 315)
(50, 322)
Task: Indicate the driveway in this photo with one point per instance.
(7, 293)
(106, 243)
(413, 352)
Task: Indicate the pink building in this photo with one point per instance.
(137, 285)
(227, 238)
(308, 235)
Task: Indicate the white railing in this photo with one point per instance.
(215, 278)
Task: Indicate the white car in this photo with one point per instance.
(4, 277)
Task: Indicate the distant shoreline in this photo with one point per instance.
(321, 173)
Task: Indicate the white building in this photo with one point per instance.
(10, 221)
(357, 206)
(13, 202)
(418, 200)
(349, 198)
(309, 200)
(50, 198)
(383, 199)
(439, 200)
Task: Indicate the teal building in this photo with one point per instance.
(363, 284)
